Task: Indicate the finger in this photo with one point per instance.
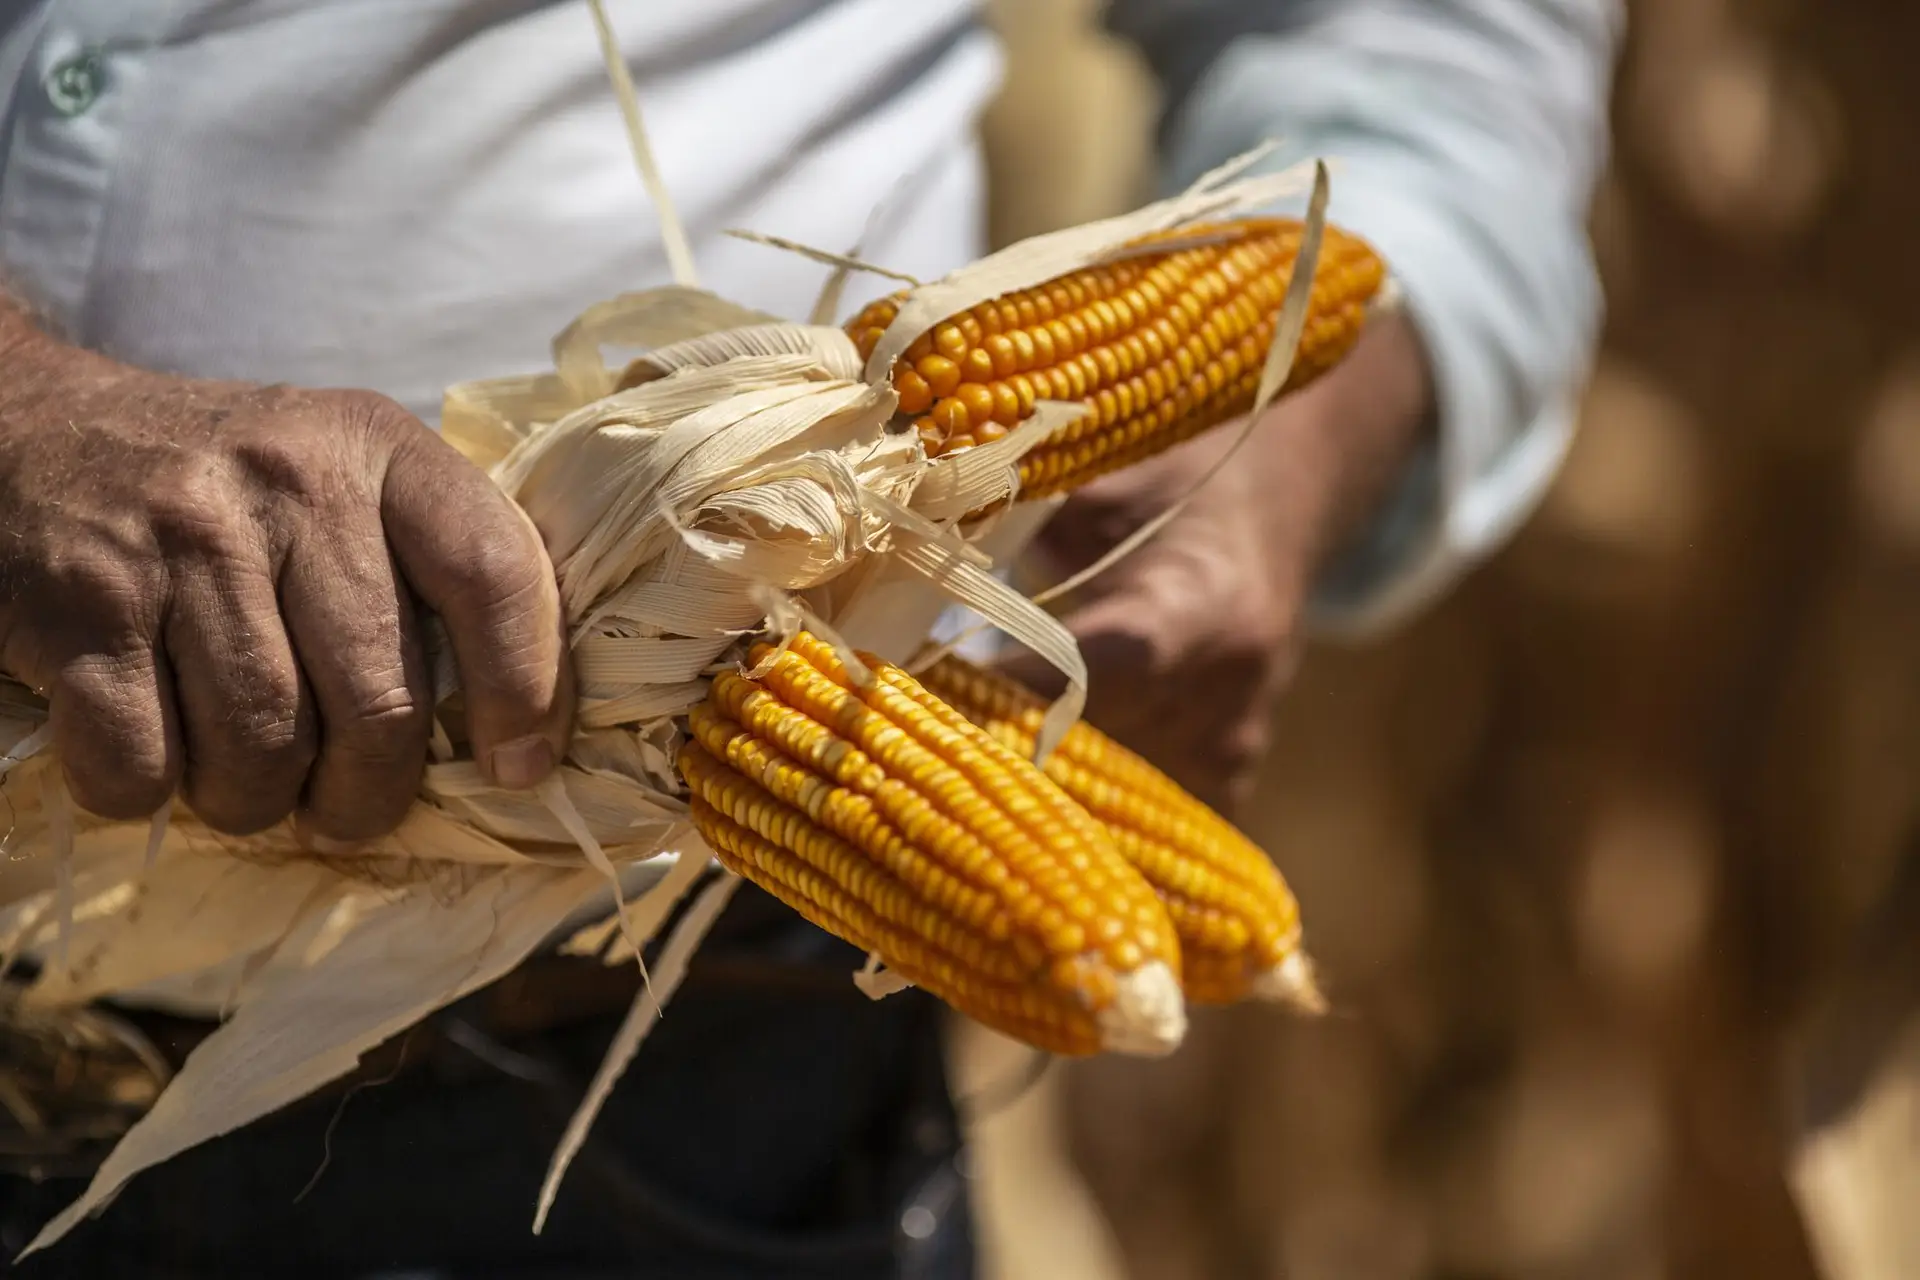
(355, 632)
(1117, 648)
(1138, 694)
(1221, 753)
(1078, 534)
(116, 732)
(475, 559)
(1205, 718)
(1105, 604)
(1125, 654)
(1034, 672)
(1106, 511)
(245, 718)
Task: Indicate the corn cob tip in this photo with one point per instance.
(883, 815)
(1148, 1016)
(1291, 983)
(1236, 918)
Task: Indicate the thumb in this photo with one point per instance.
(1113, 641)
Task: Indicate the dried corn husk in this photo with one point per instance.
(753, 486)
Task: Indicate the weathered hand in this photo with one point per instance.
(219, 588)
(1191, 638)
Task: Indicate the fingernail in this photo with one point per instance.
(521, 763)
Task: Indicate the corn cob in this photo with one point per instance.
(1238, 922)
(886, 818)
(1159, 346)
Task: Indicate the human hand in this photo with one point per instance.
(219, 587)
(1191, 638)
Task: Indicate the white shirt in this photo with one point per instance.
(403, 195)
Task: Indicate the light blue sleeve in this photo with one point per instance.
(1466, 136)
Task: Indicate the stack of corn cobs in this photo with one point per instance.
(1076, 905)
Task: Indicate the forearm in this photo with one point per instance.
(1466, 135)
(35, 363)
(1331, 454)
(21, 339)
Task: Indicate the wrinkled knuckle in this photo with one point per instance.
(293, 463)
(258, 702)
(94, 601)
(199, 520)
(278, 740)
(382, 724)
(378, 419)
(393, 707)
(270, 745)
(372, 409)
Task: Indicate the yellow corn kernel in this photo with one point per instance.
(1193, 322)
(1238, 922)
(891, 821)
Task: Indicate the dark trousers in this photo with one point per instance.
(759, 1135)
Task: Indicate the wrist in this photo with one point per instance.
(36, 365)
(21, 336)
(1333, 452)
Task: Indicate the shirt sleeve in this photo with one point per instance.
(1466, 138)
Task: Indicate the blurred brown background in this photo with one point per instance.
(1611, 858)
